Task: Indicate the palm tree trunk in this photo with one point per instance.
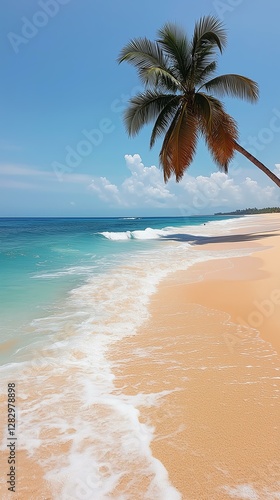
(258, 164)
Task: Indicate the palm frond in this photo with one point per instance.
(164, 118)
(203, 108)
(234, 85)
(208, 33)
(179, 76)
(155, 76)
(220, 134)
(179, 145)
(142, 52)
(143, 108)
(176, 46)
(150, 62)
(204, 73)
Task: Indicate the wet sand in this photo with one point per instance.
(209, 350)
(208, 360)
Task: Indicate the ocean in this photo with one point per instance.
(70, 289)
(43, 260)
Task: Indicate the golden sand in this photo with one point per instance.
(210, 349)
(208, 352)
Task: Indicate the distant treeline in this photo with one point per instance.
(250, 211)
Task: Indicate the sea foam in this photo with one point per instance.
(146, 234)
(68, 381)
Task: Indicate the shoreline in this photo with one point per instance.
(181, 408)
(217, 414)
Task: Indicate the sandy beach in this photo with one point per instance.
(211, 349)
(140, 250)
(192, 397)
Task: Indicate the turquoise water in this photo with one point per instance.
(71, 290)
(42, 259)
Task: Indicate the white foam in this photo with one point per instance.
(211, 228)
(243, 491)
(130, 454)
(116, 236)
(68, 271)
(80, 403)
(248, 492)
(145, 234)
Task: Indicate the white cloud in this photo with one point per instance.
(144, 188)
(106, 191)
(218, 186)
(193, 195)
(145, 182)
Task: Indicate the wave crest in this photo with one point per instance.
(145, 234)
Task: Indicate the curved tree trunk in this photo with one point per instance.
(258, 164)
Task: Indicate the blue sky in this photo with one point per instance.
(60, 82)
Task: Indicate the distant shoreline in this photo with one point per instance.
(252, 211)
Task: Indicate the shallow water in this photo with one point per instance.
(71, 290)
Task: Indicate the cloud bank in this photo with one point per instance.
(143, 190)
(193, 195)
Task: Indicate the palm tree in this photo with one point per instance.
(180, 97)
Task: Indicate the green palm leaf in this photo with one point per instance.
(142, 51)
(178, 96)
(205, 72)
(208, 33)
(150, 62)
(155, 76)
(234, 85)
(175, 44)
(143, 108)
(164, 118)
